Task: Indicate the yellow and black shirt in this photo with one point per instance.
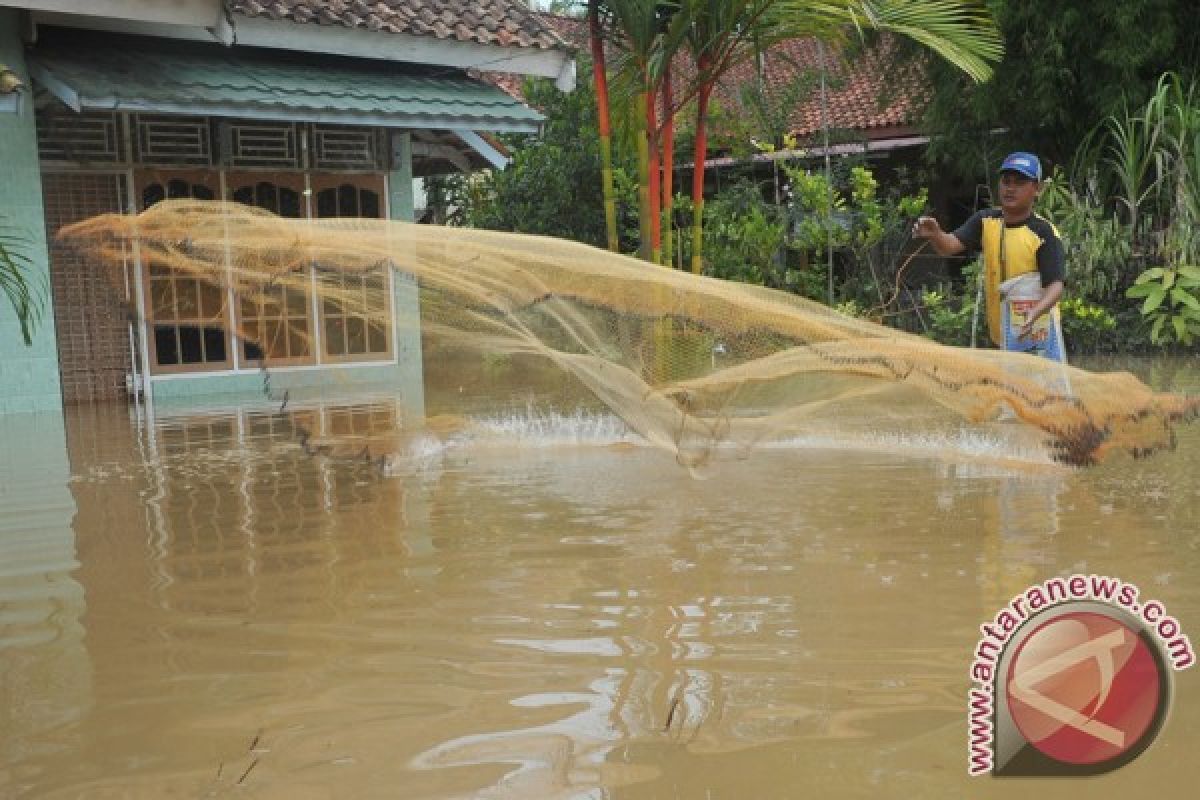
(1009, 251)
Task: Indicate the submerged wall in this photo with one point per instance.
(29, 379)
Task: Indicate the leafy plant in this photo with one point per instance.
(1087, 327)
(548, 187)
(949, 318)
(850, 215)
(1098, 246)
(744, 236)
(850, 308)
(15, 267)
(1170, 303)
(1068, 65)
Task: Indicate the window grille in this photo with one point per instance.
(89, 138)
(263, 145)
(341, 148)
(173, 140)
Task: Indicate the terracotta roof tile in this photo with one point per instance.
(501, 22)
(865, 95)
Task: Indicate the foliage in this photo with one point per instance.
(15, 269)
(850, 308)
(719, 35)
(744, 236)
(850, 215)
(818, 213)
(1098, 248)
(949, 318)
(1067, 65)
(1129, 206)
(1087, 328)
(549, 186)
(749, 239)
(1170, 302)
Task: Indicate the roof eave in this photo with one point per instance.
(200, 13)
(529, 122)
(555, 63)
(866, 147)
(285, 35)
(455, 123)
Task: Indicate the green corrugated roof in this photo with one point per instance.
(142, 75)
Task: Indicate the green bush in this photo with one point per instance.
(948, 318)
(1169, 303)
(1087, 328)
(744, 237)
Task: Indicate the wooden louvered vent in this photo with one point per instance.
(264, 145)
(169, 140)
(89, 138)
(337, 147)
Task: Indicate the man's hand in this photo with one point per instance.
(926, 228)
(946, 244)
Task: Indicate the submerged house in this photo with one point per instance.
(308, 108)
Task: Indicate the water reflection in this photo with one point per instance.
(515, 612)
(45, 669)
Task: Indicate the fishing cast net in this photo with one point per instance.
(696, 365)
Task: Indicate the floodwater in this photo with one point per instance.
(536, 607)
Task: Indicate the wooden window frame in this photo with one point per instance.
(235, 181)
(231, 318)
(321, 182)
(143, 180)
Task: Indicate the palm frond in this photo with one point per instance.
(15, 270)
(960, 31)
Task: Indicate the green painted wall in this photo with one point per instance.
(28, 375)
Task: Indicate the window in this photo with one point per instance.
(278, 324)
(189, 319)
(281, 200)
(356, 310)
(192, 326)
(347, 200)
(354, 315)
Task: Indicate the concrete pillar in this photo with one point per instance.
(29, 379)
(408, 310)
(400, 179)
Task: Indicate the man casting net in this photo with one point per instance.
(692, 364)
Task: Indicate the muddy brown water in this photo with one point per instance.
(191, 606)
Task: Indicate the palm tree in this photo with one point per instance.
(650, 33)
(961, 31)
(600, 76)
(718, 34)
(14, 265)
(668, 164)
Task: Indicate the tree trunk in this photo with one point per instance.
(603, 122)
(698, 171)
(654, 175)
(668, 168)
(643, 157)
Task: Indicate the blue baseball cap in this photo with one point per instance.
(1026, 164)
